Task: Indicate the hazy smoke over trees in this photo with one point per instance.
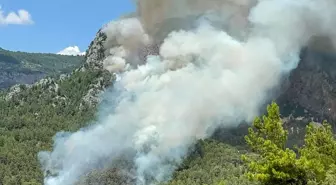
(217, 70)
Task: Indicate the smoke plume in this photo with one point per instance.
(204, 76)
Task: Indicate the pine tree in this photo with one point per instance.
(277, 165)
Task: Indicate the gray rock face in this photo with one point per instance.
(27, 68)
(310, 91)
(96, 53)
(93, 62)
(8, 79)
(312, 86)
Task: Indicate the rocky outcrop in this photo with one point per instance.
(310, 91)
(312, 86)
(10, 78)
(95, 54)
(93, 63)
(93, 96)
(28, 68)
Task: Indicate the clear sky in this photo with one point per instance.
(50, 26)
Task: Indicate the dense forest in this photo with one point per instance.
(184, 80)
(264, 159)
(31, 117)
(23, 67)
(264, 152)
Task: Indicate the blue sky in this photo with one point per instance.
(55, 25)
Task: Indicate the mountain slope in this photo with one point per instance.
(32, 114)
(193, 174)
(311, 88)
(26, 68)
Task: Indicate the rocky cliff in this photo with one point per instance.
(311, 89)
(28, 68)
(32, 114)
(9, 78)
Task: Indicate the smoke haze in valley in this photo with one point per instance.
(216, 72)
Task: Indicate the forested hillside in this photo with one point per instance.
(31, 115)
(24, 68)
(271, 150)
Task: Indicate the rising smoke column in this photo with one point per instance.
(231, 15)
(202, 78)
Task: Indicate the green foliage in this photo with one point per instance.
(209, 163)
(276, 164)
(318, 155)
(33, 116)
(45, 62)
(330, 176)
(221, 183)
(212, 163)
(111, 176)
(22, 67)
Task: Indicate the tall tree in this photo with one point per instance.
(277, 165)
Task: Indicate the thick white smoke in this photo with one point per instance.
(202, 78)
(124, 40)
(229, 14)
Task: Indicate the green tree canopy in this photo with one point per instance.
(275, 164)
